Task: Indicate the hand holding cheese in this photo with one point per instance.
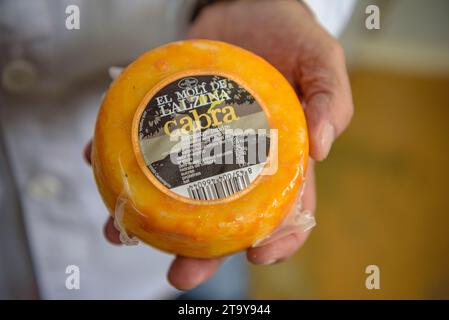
(200, 148)
(285, 34)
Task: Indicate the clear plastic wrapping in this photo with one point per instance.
(201, 157)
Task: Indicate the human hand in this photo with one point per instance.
(286, 34)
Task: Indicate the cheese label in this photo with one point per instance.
(203, 137)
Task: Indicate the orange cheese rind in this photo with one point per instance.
(165, 220)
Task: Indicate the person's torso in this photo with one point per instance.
(52, 83)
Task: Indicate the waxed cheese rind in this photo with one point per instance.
(202, 229)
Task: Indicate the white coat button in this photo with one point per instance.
(44, 187)
(19, 76)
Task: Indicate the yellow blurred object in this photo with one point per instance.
(142, 109)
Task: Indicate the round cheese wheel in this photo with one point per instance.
(200, 148)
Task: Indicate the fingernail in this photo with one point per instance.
(327, 138)
(268, 262)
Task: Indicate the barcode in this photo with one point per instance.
(225, 187)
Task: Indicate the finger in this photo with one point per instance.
(87, 152)
(187, 273)
(296, 234)
(111, 233)
(326, 92)
(278, 250)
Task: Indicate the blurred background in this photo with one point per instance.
(383, 192)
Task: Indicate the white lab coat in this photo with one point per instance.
(47, 125)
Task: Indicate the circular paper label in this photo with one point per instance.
(203, 137)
